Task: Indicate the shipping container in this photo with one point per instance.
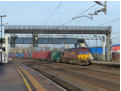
(35, 55)
(29, 55)
(21, 55)
(116, 56)
(26, 55)
(45, 55)
(98, 50)
(10, 55)
(55, 55)
(115, 48)
(13, 54)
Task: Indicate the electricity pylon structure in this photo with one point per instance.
(90, 15)
(104, 9)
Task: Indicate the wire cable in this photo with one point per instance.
(86, 10)
(59, 4)
(78, 15)
(60, 16)
(114, 20)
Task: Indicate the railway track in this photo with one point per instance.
(78, 78)
(93, 74)
(94, 68)
(88, 80)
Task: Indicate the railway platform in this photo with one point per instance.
(112, 64)
(10, 80)
(18, 77)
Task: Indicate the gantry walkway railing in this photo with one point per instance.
(57, 29)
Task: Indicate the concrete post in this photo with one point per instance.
(6, 46)
(103, 47)
(108, 47)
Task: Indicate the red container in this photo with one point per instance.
(115, 48)
(45, 55)
(41, 55)
(34, 55)
(13, 54)
(26, 55)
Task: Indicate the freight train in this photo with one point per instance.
(80, 56)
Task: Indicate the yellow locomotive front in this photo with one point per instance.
(83, 54)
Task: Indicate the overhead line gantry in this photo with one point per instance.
(29, 29)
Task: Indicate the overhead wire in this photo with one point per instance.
(115, 34)
(60, 15)
(78, 15)
(50, 15)
(114, 20)
(87, 10)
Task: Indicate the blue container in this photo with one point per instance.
(10, 55)
(99, 50)
(29, 55)
(21, 55)
(15, 54)
(18, 55)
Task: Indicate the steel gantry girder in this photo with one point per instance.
(28, 29)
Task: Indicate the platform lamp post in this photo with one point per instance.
(1, 16)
